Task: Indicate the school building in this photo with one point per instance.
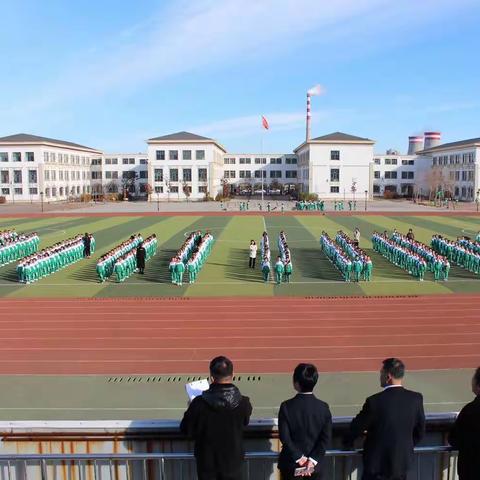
(185, 166)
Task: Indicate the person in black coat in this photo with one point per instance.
(86, 245)
(393, 422)
(216, 421)
(141, 258)
(465, 435)
(305, 427)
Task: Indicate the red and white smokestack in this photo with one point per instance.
(432, 139)
(415, 144)
(316, 90)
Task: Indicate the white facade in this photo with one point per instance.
(30, 166)
(394, 173)
(184, 161)
(335, 165)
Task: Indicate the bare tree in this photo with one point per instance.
(187, 190)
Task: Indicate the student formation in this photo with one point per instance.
(352, 262)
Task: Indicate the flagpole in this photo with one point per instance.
(261, 161)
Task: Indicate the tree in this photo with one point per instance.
(187, 191)
(148, 191)
(353, 188)
(128, 182)
(225, 187)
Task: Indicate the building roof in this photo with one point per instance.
(337, 137)
(182, 137)
(340, 137)
(452, 145)
(35, 139)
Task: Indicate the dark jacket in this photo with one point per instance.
(393, 422)
(305, 428)
(465, 436)
(141, 257)
(216, 421)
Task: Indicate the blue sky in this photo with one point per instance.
(111, 74)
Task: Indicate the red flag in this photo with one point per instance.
(265, 123)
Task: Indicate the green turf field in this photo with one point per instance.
(226, 271)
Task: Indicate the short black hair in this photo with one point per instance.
(395, 367)
(221, 368)
(305, 376)
(476, 376)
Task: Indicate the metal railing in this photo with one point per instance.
(340, 464)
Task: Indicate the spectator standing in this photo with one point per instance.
(216, 421)
(393, 422)
(87, 245)
(252, 257)
(356, 236)
(305, 427)
(465, 435)
(410, 235)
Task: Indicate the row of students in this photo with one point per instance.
(50, 260)
(106, 263)
(317, 205)
(338, 257)
(177, 264)
(265, 255)
(463, 252)
(362, 264)
(402, 257)
(437, 264)
(285, 258)
(199, 256)
(17, 247)
(7, 235)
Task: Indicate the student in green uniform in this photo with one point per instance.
(279, 270)
(179, 269)
(265, 269)
(288, 271)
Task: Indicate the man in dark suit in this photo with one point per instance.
(87, 245)
(216, 421)
(393, 422)
(141, 254)
(305, 427)
(465, 435)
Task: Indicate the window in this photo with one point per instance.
(391, 175)
(160, 154)
(200, 155)
(377, 161)
(187, 175)
(108, 175)
(202, 189)
(114, 161)
(260, 161)
(128, 175)
(54, 192)
(98, 175)
(229, 161)
(291, 161)
(245, 174)
(457, 175)
(143, 161)
(276, 161)
(258, 173)
(407, 175)
(334, 154)
(143, 174)
(186, 155)
(291, 174)
(131, 161)
(16, 157)
(5, 191)
(4, 177)
(394, 161)
(174, 174)
(32, 176)
(408, 162)
(17, 176)
(470, 175)
(125, 161)
(434, 161)
(47, 175)
(18, 191)
(30, 156)
(334, 174)
(158, 174)
(334, 189)
(174, 189)
(376, 174)
(60, 175)
(96, 161)
(173, 154)
(229, 174)
(108, 161)
(391, 161)
(202, 174)
(3, 156)
(33, 191)
(275, 174)
(464, 175)
(376, 189)
(246, 161)
(158, 189)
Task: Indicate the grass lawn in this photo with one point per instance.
(226, 270)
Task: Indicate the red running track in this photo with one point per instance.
(261, 335)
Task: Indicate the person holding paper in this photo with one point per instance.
(305, 428)
(216, 420)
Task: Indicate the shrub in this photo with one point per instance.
(86, 197)
(3, 200)
(307, 197)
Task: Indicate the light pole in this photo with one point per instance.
(41, 200)
(158, 201)
(366, 194)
